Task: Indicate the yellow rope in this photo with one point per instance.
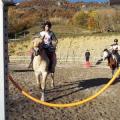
(74, 103)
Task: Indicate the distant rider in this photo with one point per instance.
(49, 44)
(114, 49)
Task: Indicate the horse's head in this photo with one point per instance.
(36, 51)
(106, 54)
(37, 46)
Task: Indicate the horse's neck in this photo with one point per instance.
(112, 56)
(112, 59)
(40, 58)
(37, 61)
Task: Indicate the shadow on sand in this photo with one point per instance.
(73, 87)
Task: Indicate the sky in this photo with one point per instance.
(75, 0)
(88, 0)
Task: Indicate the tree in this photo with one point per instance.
(81, 19)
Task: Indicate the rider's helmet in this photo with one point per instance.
(115, 40)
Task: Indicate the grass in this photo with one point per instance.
(64, 30)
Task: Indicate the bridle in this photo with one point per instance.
(38, 49)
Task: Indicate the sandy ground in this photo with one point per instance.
(73, 83)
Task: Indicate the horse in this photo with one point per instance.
(41, 63)
(111, 58)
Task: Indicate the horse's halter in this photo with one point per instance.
(37, 50)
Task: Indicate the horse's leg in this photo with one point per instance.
(31, 61)
(118, 65)
(43, 82)
(37, 75)
(52, 82)
(40, 82)
(117, 70)
(113, 72)
(53, 69)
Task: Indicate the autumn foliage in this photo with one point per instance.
(31, 13)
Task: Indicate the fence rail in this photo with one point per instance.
(59, 59)
(14, 39)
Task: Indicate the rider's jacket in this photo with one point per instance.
(114, 48)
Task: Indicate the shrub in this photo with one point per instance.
(81, 19)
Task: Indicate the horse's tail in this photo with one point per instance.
(99, 62)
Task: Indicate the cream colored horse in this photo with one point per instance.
(40, 66)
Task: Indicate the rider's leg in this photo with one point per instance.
(50, 56)
(118, 58)
(54, 62)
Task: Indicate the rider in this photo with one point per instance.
(49, 42)
(115, 48)
(87, 55)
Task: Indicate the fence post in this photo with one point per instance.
(3, 62)
(4, 58)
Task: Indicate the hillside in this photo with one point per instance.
(62, 3)
(30, 13)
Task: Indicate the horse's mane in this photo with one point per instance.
(36, 41)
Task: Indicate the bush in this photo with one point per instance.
(18, 23)
(81, 19)
(92, 23)
(107, 20)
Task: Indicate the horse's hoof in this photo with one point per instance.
(53, 86)
(38, 83)
(40, 88)
(42, 99)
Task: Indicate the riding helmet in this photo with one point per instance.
(116, 40)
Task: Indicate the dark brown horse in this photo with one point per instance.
(111, 58)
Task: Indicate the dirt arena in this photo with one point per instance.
(73, 83)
